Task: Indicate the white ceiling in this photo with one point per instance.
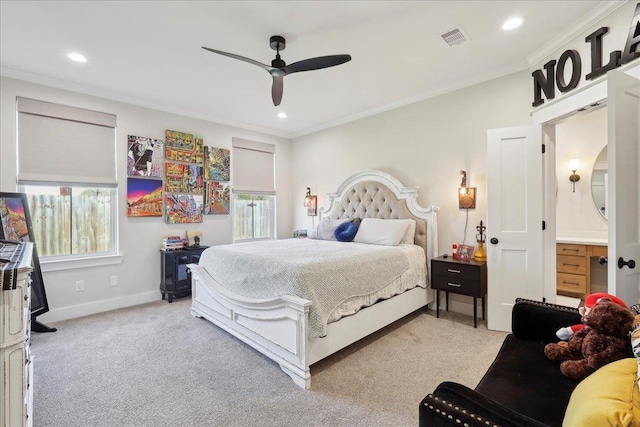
(149, 52)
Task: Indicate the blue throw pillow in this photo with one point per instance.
(346, 232)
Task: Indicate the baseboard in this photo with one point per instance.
(71, 312)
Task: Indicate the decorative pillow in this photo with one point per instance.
(409, 236)
(325, 229)
(608, 397)
(387, 232)
(345, 232)
(635, 338)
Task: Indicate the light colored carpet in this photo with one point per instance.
(156, 365)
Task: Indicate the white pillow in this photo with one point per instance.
(387, 232)
(325, 229)
(410, 235)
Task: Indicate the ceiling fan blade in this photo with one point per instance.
(316, 63)
(241, 58)
(276, 90)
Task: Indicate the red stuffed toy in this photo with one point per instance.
(565, 333)
(603, 340)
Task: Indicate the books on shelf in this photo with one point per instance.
(172, 243)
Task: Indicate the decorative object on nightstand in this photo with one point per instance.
(174, 274)
(194, 238)
(480, 255)
(460, 277)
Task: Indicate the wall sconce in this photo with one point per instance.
(574, 177)
(466, 195)
(311, 203)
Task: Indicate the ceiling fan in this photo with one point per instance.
(278, 68)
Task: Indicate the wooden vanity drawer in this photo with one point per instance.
(571, 283)
(569, 249)
(599, 251)
(571, 264)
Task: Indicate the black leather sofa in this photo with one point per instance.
(521, 388)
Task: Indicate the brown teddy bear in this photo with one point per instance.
(603, 340)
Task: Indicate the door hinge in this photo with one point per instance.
(544, 148)
(544, 225)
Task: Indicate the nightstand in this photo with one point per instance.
(175, 277)
(460, 277)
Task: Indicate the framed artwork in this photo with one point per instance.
(16, 226)
(183, 147)
(194, 238)
(184, 178)
(144, 197)
(465, 252)
(183, 209)
(217, 196)
(217, 164)
(145, 156)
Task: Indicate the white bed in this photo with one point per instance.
(286, 328)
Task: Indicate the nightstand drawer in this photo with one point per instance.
(571, 283)
(455, 271)
(571, 264)
(456, 285)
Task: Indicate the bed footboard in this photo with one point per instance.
(275, 327)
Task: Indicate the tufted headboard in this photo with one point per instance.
(376, 194)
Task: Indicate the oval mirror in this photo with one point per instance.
(599, 182)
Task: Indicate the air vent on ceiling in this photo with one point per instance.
(455, 36)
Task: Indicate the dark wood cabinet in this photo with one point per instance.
(460, 277)
(175, 278)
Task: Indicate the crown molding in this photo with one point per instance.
(604, 9)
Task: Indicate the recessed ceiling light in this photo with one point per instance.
(512, 23)
(282, 115)
(76, 57)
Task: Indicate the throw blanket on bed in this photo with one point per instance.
(326, 272)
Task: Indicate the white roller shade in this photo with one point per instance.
(253, 168)
(65, 145)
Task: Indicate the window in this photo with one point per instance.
(66, 166)
(253, 216)
(71, 220)
(253, 190)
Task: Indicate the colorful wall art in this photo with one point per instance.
(184, 147)
(145, 156)
(183, 209)
(217, 196)
(14, 222)
(184, 178)
(217, 164)
(144, 197)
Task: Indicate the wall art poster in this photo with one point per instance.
(145, 156)
(184, 178)
(144, 197)
(14, 222)
(183, 209)
(183, 147)
(216, 198)
(217, 164)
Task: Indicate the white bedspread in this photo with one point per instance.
(328, 273)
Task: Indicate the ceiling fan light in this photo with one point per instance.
(282, 115)
(512, 23)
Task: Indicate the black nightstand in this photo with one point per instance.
(175, 279)
(460, 277)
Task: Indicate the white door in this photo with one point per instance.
(514, 220)
(623, 93)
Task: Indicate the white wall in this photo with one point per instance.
(424, 144)
(140, 238)
(581, 137)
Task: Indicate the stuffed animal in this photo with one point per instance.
(603, 340)
(565, 333)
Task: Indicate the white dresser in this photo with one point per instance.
(16, 369)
